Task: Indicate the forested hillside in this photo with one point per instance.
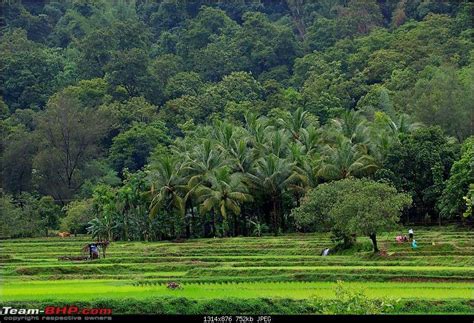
(151, 120)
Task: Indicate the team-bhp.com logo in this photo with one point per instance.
(56, 310)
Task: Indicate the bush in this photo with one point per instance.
(354, 301)
(78, 215)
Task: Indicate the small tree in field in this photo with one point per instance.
(352, 207)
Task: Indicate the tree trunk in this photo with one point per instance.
(244, 227)
(109, 235)
(275, 216)
(234, 233)
(213, 223)
(373, 237)
(188, 230)
(125, 228)
(192, 219)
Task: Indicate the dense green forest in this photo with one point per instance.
(150, 120)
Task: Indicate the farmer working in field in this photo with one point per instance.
(401, 239)
(93, 251)
(410, 234)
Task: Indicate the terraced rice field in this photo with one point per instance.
(284, 267)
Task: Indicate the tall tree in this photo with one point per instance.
(274, 176)
(420, 165)
(445, 98)
(167, 186)
(452, 203)
(225, 195)
(352, 207)
(69, 137)
(344, 160)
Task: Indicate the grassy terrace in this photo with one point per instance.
(287, 267)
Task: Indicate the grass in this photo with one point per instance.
(437, 277)
(90, 290)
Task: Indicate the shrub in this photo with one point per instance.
(354, 301)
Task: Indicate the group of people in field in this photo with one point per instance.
(410, 238)
(399, 239)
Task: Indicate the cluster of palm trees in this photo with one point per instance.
(234, 175)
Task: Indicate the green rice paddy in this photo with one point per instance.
(287, 267)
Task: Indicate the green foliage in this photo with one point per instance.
(129, 69)
(352, 207)
(62, 157)
(131, 148)
(91, 93)
(422, 161)
(354, 301)
(469, 198)
(13, 222)
(444, 97)
(17, 160)
(183, 83)
(282, 95)
(122, 115)
(78, 214)
(265, 45)
(102, 226)
(29, 216)
(28, 71)
(49, 213)
(359, 17)
(452, 202)
(345, 160)
(224, 195)
(4, 111)
(259, 228)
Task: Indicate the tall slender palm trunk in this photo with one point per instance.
(275, 215)
(234, 233)
(213, 222)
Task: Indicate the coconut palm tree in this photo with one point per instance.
(224, 133)
(202, 161)
(352, 125)
(168, 184)
(241, 155)
(385, 132)
(274, 176)
(345, 159)
(225, 194)
(257, 129)
(102, 227)
(310, 138)
(294, 122)
(200, 164)
(304, 165)
(403, 125)
(276, 142)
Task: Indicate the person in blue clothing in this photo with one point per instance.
(93, 251)
(413, 244)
